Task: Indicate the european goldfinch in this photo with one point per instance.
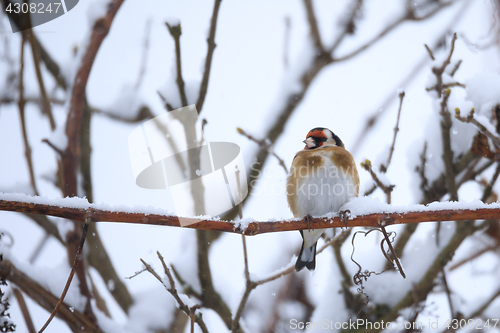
(323, 177)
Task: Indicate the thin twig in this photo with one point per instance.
(166, 104)
(470, 119)
(39, 247)
(349, 26)
(391, 27)
(447, 151)
(88, 220)
(421, 169)
(208, 58)
(370, 191)
(286, 43)
(473, 256)
(438, 72)
(313, 26)
(448, 294)
(264, 145)
(24, 310)
(447, 61)
(135, 274)
(337, 246)
(47, 109)
(30, 99)
(186, 288)
(475, 173)
(173, 291)
(21, 104)
(489, 187)
(295, 97)
(455, 69)
(50, 64)
(469, 172)
(412, 75)
(53, 146)
(250, 285)
(389, 244)
(486, 304)
(429, 51)
(441, 86)
(383, 168)
(291, 268)
(176, 32)
(145, 49)
(75, 319)
(367, 165)
(71, 162)
(426, 283)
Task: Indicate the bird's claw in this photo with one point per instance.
(344, 216)
(308, 218)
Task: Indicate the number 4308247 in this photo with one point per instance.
(32, 8)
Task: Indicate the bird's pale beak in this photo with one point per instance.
(310, 143)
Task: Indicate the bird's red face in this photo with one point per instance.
(315, 138)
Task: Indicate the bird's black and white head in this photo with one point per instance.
(321, 137)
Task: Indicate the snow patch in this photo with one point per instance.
(482, 90)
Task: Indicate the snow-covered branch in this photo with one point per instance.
(362, 212)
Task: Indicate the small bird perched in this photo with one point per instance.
(323, 177)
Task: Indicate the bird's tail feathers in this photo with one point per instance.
(307, 258)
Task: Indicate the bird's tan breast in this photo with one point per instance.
(308, 163)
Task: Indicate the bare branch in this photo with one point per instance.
(425, 285)
(455, 69)
(187, 289)
(54, 147)
(439, 71)
(391, 27)
(46, 107)
(313, 26)
(208, 59)
(472, 257)
(447, 61)
(384, 168)
(210, 297)
(367, 165)
(415, 214)
(429, 51)
(486, 304)
(448, 294)
(250, 285)
(77, 100)
(264, 145)
(286, 43)
(24, 310)
(176, 32)
(76, 320)
(173, 291)
(340, 237)
(349, 25)
(489, 187)
(470, 119)
(409, 78)
(30, 99)
(99, 258)
(21, 104)
(144, 59)
(389, 244)
(76, 260)
(447, 151)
